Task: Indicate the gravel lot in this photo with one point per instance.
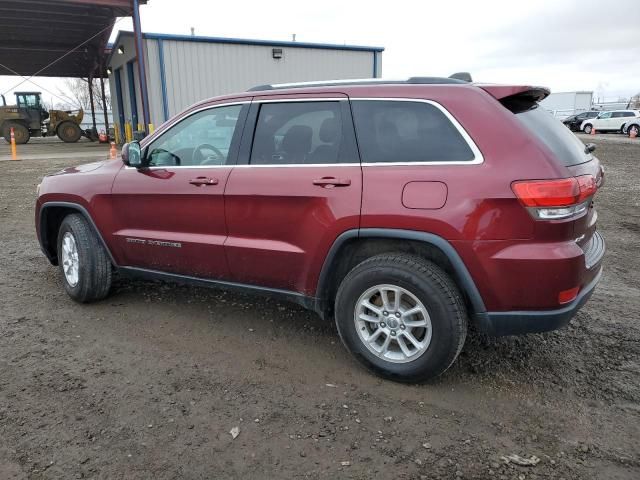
(149, 383)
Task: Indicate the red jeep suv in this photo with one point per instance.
(403, 209)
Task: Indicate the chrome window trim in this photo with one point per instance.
(477, 160)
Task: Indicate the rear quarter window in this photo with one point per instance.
(406, 132)
(566, 147)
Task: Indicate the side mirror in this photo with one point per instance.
(132, 154)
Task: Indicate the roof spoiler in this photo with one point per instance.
(517, 98)
(464, 76)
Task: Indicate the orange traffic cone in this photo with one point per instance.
(593, 130)
(113, 152)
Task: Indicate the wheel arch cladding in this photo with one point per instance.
(353, 246)
(50, 219)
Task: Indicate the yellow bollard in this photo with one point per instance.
(116, 133)
(140, 127)
(151, 128)
(14, 152)
(128, 132)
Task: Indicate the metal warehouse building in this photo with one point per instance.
(182, 70)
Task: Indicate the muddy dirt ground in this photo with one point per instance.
(149, 383)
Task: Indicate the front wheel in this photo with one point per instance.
(587, 128)
(401, 316)
(83, 260)
(69, 132)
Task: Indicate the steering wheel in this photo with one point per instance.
(201, 158)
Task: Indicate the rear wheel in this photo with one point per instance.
(69, 132)
(401, 316)
(84, 262)
(635, 128)
(20, 132)
(587, 128)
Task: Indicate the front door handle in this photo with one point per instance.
(330, 182)
(198, 181)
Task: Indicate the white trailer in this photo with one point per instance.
(565, 104)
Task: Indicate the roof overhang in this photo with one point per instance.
(34, 34)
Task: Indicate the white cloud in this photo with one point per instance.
(568, 45)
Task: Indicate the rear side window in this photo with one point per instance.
(567, 148)
(404, 132)
(298, 133)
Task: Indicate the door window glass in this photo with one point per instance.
(201, 139)
(399, 131)
(603, 116)
(298, 133)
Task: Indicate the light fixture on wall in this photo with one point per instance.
(277, 52)
(109, 71)
(120, 50)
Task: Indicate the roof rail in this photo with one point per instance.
(456, 78)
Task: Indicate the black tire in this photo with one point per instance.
(587, 128)
(20, 132)
(94, 271)
(432, 287)
(69, 132)
(632, 126)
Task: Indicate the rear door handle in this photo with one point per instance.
(330, 182)
(198, 181)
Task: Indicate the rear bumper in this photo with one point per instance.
(519, 322)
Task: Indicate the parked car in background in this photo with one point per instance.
(630, 125)
(612, 121)
(395, 208)
(575, 121)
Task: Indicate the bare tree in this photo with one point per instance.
(76, 94)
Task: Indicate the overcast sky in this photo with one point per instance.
(565, 45)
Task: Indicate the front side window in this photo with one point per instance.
(405, 132)
(298, 133)
(604, 115)
(202, 139)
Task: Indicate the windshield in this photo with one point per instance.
(568, 149)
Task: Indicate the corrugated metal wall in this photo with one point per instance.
(196, 70)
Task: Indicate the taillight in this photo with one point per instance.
(567, 296)
(556, 199)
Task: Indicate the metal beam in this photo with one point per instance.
(93, 108)
(102, 3)
(104, 106)
(142, 69)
